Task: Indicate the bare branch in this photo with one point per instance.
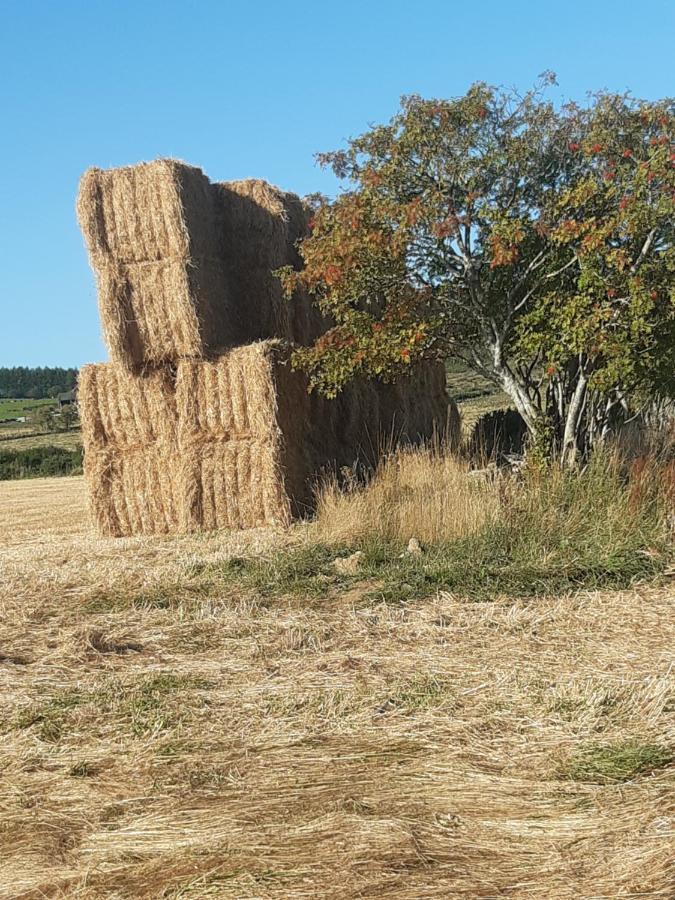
(645, 250)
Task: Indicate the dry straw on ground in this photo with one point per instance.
(184, 267)
(164, 735)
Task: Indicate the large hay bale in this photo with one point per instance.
(123, 410)
(129, 433)
(242, 436)
(263, 226)
(154, 236)
(253, 442)
(184, 267)
(132, 491)
(373, 417)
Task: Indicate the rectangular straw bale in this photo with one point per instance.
(129, 432)
(132, 491)
(242, 426)
(262, 228)
(184, 267)
(123, 410)
(237, 483)
(155, 241)
(149, 212)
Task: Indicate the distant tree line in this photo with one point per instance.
(35, 384)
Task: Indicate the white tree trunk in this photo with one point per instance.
(572, 421)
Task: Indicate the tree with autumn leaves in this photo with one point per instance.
(534, 242)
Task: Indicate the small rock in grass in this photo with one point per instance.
(348, 565)
(414, 547)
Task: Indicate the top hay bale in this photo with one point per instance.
(184, 267)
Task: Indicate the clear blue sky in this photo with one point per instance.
(248, 89)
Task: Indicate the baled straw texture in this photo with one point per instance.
(184, 267)
(254, 444)
(242, 424)
(369, 417)
(132, 491)
(155, 242)
(122, 410)
(129, 432)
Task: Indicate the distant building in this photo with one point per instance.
(69, 398)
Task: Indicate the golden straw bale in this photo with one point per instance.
(122, 410)
(132, 491)
(154, 236)
(242, 437)
(129, 433)
(149, 212)
(184, 267)
(237, 483)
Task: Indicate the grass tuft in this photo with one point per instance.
(614, 763)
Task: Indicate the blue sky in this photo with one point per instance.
(248, 89)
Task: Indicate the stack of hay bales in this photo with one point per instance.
(199, 422)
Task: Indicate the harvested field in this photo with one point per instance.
(171, 731)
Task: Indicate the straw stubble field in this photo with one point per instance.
(166, 733)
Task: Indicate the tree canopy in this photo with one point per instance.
(533, 241)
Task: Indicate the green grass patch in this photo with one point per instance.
(149, 706)
(614, 763)
(15, 409)
(307, 570)
(422, 691)
(52, 715)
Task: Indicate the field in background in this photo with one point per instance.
(12, 409)
(474, 394)
(194, 717)
(20, 440)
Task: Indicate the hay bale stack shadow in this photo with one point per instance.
(496, 436)
(262, 226)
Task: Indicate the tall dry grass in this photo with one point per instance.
(416, 492)
(542, 531)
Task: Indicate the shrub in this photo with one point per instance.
(40, 462)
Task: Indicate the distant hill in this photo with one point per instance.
(21, 381)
